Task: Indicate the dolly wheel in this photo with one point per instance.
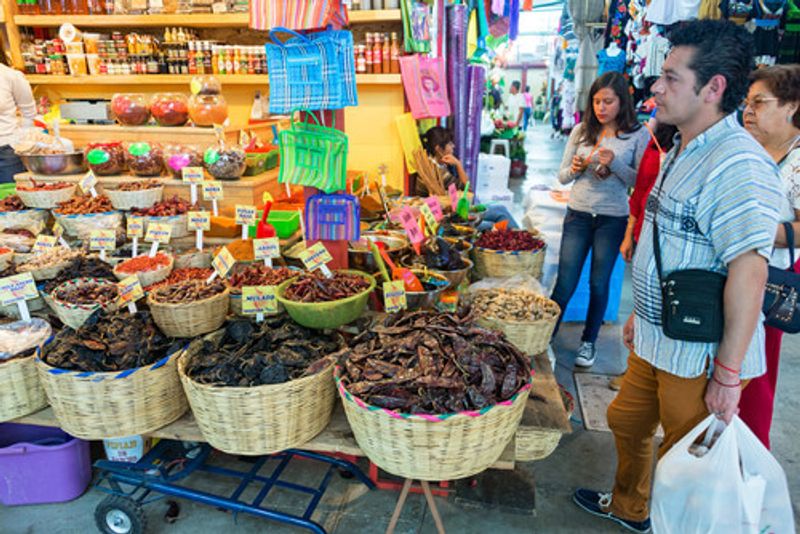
(120, 515)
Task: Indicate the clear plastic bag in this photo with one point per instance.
(19, 336)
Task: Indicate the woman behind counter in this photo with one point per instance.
(15, 94)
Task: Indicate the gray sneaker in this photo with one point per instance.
(586, 355)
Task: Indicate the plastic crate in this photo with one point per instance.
(6, 190)
(286, 223)
(579, 304)
(41, 465)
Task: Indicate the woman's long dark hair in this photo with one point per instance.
(436, 137)
(626, 118)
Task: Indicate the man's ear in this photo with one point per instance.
(715, 89)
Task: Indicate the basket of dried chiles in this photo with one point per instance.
(433, 396)
(115, 376)
(45, 195)
(141, 194)
(524, 316)
(189, 308)
(83, 213)
(74, 301)
(172, 211)
(259, 388)
(47, 265)
(255, 274)
(503, 253)
(6, 256)
(14, 214)
(149, 270)
(21, 393)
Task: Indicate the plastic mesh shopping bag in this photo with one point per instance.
(313, 155)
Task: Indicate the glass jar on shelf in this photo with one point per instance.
(105, 159)
(176, 157)
(144, 159)
(208, 110)
(130, 109)
(170, 109)
(225, 162)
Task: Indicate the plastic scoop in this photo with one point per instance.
(376, 253)
(501, 225)
(462, 208)
(264, 229)
(410, 280)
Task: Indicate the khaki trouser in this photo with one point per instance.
(649, 396)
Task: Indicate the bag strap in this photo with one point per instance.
(787, 226)
(656, 240)
(273, 35)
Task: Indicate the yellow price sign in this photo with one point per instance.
(223, 262)
(266, 248)
(17, 288)
(259, 299)
(315, 257)
(394, 296)
(246, 215)
(44, 243)
(135, 226)
(102, 240)
(192, 175)
(160, 232)
(199, 220)
(130, 290)
(88, 182)
(266, 197)
(212, 191)
(58, 230)
(430, 218)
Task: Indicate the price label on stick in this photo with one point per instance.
(430, 220)
(316, 257)
(222, 263)
(246, 216)
(199, 221)
(192, 175)
(212, 191)
(130, 290)
(394, 296)
(16, 290)
(88, 183)
(102, 240)
(411, 227)
(158, 233)
(44, 243)
(435, 207)
(258, 300)
(453, 192)
(266, 249)
(135, 226)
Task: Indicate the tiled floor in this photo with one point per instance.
(583, 458)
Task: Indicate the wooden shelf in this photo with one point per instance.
(184, 79)
(199, 20)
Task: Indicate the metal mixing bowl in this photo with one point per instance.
(54, 164)
(359, 253)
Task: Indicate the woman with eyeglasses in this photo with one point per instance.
(772, 116)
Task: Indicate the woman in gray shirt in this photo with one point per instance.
(601, 158)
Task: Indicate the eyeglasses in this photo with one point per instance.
(757, 103)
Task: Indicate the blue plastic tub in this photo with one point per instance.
(579, 305)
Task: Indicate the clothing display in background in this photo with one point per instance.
(789, 49)
(737, 10)
(591, 42)
(654, 51)
(767, 20)
(610, 59)
(618, 17)
(709, 9)
(568, 109)
(666, 12)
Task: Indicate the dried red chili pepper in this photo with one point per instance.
(509, 240)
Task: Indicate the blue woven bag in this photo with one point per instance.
(303, 73)
(345, 57)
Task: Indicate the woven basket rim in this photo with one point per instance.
(78, 281)
(60, 265)
(512, 252)
(151, 299)
(521, 323)
(431, 418)
(18, 212)
(97, 376)
(149, 218)
(75, 215)
(118, 191)
(283, 286)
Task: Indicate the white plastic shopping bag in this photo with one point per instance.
(733, 485)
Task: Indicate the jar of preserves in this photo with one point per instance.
(144, 159)
(208, 110)
(225, 163)
(130, 109)
(170, 109)
(105, 159)
(176, 157)
(205, 85)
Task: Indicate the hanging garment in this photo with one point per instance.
(609, 63)
(618, 17)
(668, 12)
(709, 9)
(739, 10)
(789, 51)
(654, 51)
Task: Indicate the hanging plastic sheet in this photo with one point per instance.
(457, 73)
(476, 79)
(409, 138)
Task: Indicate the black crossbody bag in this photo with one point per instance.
(782, 296)
(691, 299)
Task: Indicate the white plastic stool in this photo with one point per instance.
(500, 143)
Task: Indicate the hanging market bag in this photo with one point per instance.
(268, 14)
(333, 217)
(91, 405)
(425, 86)
(74, 315)
(128, 200)
(303, 73)
(260, 419)
(345, 59)
(314, 156)
(44, 198)
(21, 393)
(433, 447)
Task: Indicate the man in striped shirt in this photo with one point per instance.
(716, 205)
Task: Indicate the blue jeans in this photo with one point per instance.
(526, 118)
(496, 213)
(602, 234)
(10, 164)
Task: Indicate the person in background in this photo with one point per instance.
(515, 103)
(439, 145)
(772, 116)
(15, 96)
(527, 111)
(600, 160)
(716, 207)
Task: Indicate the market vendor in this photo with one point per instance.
(15, 94)
(439, 145)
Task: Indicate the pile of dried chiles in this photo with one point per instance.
(315, 287)
(188, 291)
(86, 293)
(509, 240)
(166, 208)
(144, 263)
(11, 203)
(430, 362)
(140, 185)
(110, 342)
(82, 266)
(253, 354)
(259, 275)
(84, 205)
(179, 275)
(39, 186)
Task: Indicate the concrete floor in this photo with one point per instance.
(583, 458)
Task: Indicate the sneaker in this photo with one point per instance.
(597, 503)
(586, 355)
(616, 383)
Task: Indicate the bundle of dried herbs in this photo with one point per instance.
(253, 354)
(109, 342)
(429, 362)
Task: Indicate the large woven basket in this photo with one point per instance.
(82, 225)
(195, 259)
(5, 259)
(148, 278)
(190, 319)
(33, 220)
(74, 315)
(128, 200)
(46, 199)
(539, 443)
(433, 447)
(531, 337)
(179, 224)
(115, 405)
(21, 393)
(261, 419)
(44, 273)
(502, 264)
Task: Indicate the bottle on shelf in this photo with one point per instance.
(51, 7)
(386, 53)
(361, 61)
(395, 55)
(28, 7)
(377, 52)
(368, 53)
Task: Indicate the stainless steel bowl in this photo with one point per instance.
(462, 246)
(416, 300)
(359, 253)
(54, 164)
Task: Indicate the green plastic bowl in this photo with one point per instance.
(6, 190)
(285, 223)
(333, 314)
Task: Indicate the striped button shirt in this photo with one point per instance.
(720, 199)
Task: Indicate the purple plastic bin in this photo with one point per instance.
(41, 465)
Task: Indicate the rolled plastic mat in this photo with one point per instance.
(457, 74)
(476, 81)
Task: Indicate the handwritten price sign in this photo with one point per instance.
(44, 243)
(159, 232)
(17, 288)
(316, 257)
(266, 248)
(135, 227)
(394, 296)
(102, 240)
(223, 262)
(258, 300)
(212, 191)
(410, 225)
(435, 207)
(199, 220)
(192, 175)
(130, 290)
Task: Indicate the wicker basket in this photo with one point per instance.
(74, 315)
(531, 337)
(195, 259)
(34, 305)
(502, 264)
(21, 393)
(179, 224)
(45, 273)
(261, 419)
(535, 444)
(115, 405)
(192, 318)
(433, 447)
(6, 259)
(81, 225)
(128, 200)
(147, 278)
(33, 220)
(46, 199)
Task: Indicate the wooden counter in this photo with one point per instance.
(544, 412)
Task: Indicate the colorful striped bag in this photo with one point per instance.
(333, 217)
(313, 155)
(302, 15)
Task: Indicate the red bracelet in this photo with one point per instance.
(720, 364)
(715, 379)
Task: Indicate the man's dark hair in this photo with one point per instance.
(516, 84)
(720, 47)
